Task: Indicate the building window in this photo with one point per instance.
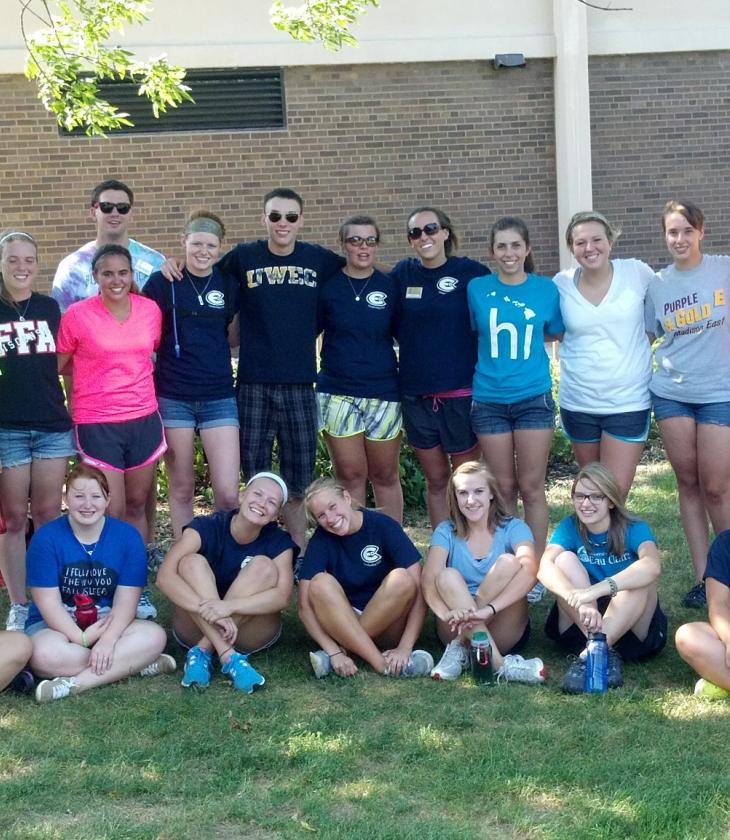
(242, 99)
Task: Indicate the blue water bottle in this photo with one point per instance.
(597, 663)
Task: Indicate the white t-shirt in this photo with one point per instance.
(605, 357)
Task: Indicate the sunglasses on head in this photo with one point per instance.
(429, 230)
(276, 216)
(106, 207)
(370, 241)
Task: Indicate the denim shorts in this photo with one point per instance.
(502, 418)
(198, 414)
(439, 421)
(712, 414)
(19, 447)
(630, 426)
(342, 416)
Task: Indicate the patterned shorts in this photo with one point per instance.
(342, 416)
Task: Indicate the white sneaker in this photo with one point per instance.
(516, 669)
(145, 607)
(57, 689)
(321, 664)
(164, 664)
(419, 664)
(452, 663)
(535, 595)
(16, 617)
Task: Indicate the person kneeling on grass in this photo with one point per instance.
(360, 588)
(229, 577)
(705, 646)
(87, 552)
(480, 566)
(602, 564)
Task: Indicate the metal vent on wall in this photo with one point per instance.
(225, 100)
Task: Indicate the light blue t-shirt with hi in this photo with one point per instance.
(505, 540)
(511, 323)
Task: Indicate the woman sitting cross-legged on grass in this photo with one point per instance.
(360, 588)
(479, 569)
(229, 577)
(602, 564)
(90, 553)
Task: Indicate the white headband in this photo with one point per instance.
(14, 233)
(274, 477)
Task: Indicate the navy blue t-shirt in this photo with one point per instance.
(225, 555)
(361, 561)
(278, 309)
(718, 559)
(438, 350)
(203, 371)
(358, 357)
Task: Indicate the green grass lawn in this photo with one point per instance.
(371, 757)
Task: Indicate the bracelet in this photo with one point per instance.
(613, 587)
(84, 640)
(494, 611)
(339, 652)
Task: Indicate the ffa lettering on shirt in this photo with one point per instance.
(22, 335)
(278, 275)
(687, 310)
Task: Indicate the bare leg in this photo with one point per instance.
(573, 569)
(14, 490)
(46, 487)
(508, 625)
(350, 463)
(631, 609)
(532, 447)
(586, 453)
(499, 454)
(383, 457)
(138, 646)
(713, 467)
(680, 441)
(15, 651)
(622, 458)
(137, 485)
(295, 521)
(703, 650)
(436, 468)
(221, 450)
(180, 477)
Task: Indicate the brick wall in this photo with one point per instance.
(378, 138)
(661, 130)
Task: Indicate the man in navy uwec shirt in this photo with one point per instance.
(278, 280)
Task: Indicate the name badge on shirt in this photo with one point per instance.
(414, 292)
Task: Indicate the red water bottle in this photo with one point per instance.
(85, 612)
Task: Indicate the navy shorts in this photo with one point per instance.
(439, 421)
(503, 418)
(630, 426)
(123, 446)
(713, 414)
(629, 646)
(287, 414)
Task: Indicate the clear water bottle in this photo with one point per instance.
(480, 658)
(597, 663)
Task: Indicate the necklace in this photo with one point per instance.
(21, 315)
(197, 291)
(359, 294)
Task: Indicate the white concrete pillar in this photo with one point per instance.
(572, 116)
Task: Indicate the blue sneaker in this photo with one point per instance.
(197, 668)
(242, 675)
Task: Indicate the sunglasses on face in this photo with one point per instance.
(106, 207)
(370, 241)
(429, 230)
(276, 216)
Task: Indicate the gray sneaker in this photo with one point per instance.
(321, 664)
(419, 664)
(517, 669)
(145, 608)
(49, 690)
(452, 663)
(16, 617)
(164, 664)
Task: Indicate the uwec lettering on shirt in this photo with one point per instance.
(687, 310)
(21, 335)
(277, 275)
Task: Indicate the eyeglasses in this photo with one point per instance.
(106, 207)
(370, 241)
(429, 230)
(593, 498)
(276, 216)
